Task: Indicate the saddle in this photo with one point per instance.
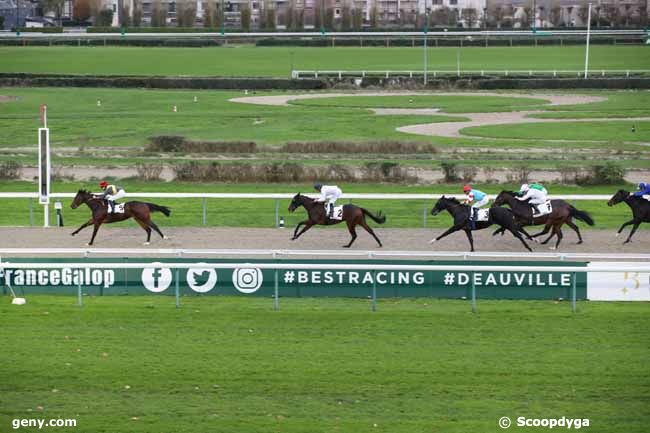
(542, 209)
(337, 214)
(119, 208)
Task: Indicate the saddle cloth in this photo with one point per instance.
(483, 215)
(337, 214)
(646, 196)
(542, 209)
(119, 208)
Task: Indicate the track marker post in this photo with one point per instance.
(44, 166)
(177, 292)
(374, 290)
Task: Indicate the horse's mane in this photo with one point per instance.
(451, 199)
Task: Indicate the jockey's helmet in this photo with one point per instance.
(467, 189)
(642, 185)
(103, 184)
(525, 187)
(318, 186)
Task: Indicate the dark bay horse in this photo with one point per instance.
(139, 211)
(640, 210)
(562, 213)
(352, 215)
(460, 213)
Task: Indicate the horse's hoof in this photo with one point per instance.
(72, 234)
(433, 241)
(618, 234)
(579, 242)
(346, 246)
(89, 245)
(165, 237)
(552, 248)
(147, 243)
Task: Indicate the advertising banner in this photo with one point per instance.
(159, 278)
(617, 285)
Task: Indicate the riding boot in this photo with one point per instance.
(330, 210)
(111, 204)
(473, 218)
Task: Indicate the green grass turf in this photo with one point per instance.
(226, 364)
(261, 213)
(611, 130)
(277, 61)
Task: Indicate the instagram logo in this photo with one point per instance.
(247, 280)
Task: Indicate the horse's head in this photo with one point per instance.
(620, 196)
(502, 198)
(442, 204)
(296, 202)
(82, 197)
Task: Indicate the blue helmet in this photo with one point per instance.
(318, 186)
(643, 185)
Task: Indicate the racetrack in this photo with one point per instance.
(596, 241)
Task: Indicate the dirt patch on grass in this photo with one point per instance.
(5, 98)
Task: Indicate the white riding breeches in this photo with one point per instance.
(120, 194)
(483, 202)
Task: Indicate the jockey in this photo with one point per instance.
(644, 189)
(476, 199)
(534, 193)
(110, 194)
(328, 194)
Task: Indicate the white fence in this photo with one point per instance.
(573, 270)
(278, 254)
(204, 196)
(553, 73)
(277, 197)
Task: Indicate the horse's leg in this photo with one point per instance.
(154, 226)
(369, 230)
(353, 233)
(512, 227)
(307, 226)
(92, 239)
(551, 236)
(547, 227)
(470, 238)
(500, 231)
(625, 225)
(145, 227)
(297, 227)
(448, 232)
(575, 229)
(629, 238)
(528, 236)
(558, 232)
(83, 226)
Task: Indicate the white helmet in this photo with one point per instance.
(525, 187)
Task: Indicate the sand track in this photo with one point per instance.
(596, 241)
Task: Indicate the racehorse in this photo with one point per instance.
(562, 213)
(352, 215)
(640, 210)
(460, 213)
(139, 211)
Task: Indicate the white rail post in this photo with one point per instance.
(573, 292)
(177, 292)
(374, 290)
(588, 35)
(473, 294)
(205, 210)
(276, 294)
(80, 301)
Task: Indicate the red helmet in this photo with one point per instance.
(103, 184)
(467, 188)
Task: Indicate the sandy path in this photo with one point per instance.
(283, 100)
(596, 241)
(450, 129)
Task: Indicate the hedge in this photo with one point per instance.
(44, 80)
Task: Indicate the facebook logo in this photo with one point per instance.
(157, 278)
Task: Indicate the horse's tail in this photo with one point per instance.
(156, 208)
(379, 219)
(582, 216)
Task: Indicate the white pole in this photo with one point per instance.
(588, 35)
(426, 24)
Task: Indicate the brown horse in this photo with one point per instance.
(352, 215)
(563, 213)
(139, 211)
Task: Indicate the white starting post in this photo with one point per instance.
(44, 167)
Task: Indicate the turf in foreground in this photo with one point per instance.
(232, 364)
